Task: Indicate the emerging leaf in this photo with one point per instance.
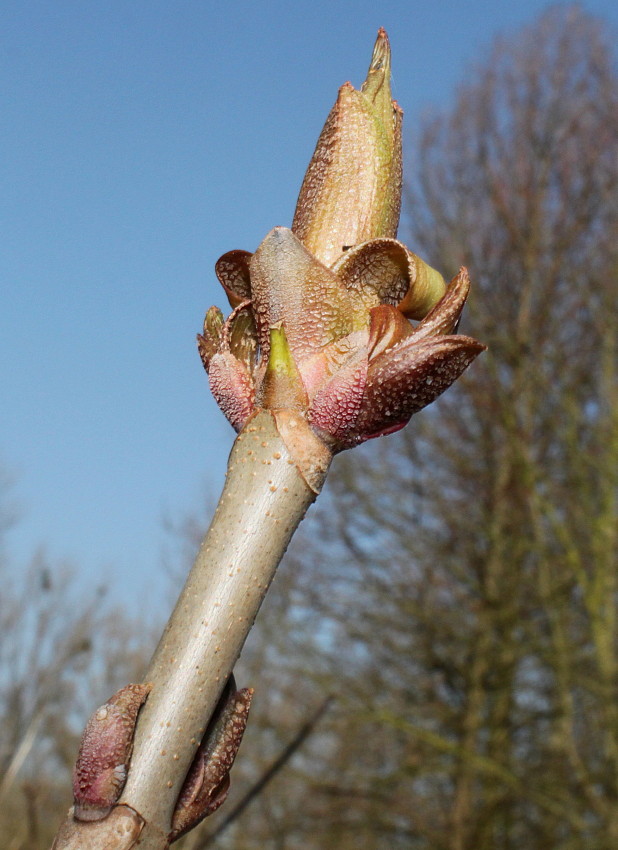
(321, 322)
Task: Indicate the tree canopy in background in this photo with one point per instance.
(467, 568)
(462, 575)
(455, 587)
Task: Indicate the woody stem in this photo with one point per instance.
(264, 499)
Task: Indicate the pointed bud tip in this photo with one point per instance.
(379, 68)
(381, 57)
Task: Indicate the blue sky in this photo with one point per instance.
(139, 141)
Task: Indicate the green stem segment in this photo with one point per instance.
(269, 486)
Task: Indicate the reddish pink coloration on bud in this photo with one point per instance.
(335, 295)
(232, 387)
(207, 782)
(102, 764)
(334, 409)
(360, 368)
(318, 370)
(228, 353)
(408, 377)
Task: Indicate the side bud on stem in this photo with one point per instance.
(208, 781)
(103, 760)
(105, 752)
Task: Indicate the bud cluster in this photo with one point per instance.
(322, 318)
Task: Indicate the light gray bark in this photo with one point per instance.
(269, 486)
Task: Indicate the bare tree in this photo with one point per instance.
(318, 355)
(465, 572)
(60, 647)
(457, 589)
(523, 172)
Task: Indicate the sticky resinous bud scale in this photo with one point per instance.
(334, 318)
(105, 752)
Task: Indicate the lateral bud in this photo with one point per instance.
(105, 752)
(208, 780)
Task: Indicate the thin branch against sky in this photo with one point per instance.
(137, 148)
